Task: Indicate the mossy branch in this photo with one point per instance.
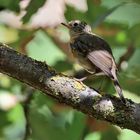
(68, 90)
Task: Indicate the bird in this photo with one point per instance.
(92, 52)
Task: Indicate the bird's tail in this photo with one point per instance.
(118, 89)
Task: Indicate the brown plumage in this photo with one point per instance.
(92, 52)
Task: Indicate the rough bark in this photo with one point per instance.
(68, 90)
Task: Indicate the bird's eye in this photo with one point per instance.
(75, 24)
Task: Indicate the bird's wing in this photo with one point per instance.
(98, 52)
(103, 60)
(93, 42)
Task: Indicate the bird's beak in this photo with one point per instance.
(66, 25)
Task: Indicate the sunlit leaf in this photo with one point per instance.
(121, 37)
(4, 81)
(8, 35)
(128, 135)
(131, 96)
(93, 136)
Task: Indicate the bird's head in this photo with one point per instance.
(77, 27)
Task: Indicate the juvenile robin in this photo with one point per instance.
(92, 52)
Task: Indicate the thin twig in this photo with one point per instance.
(26, 107)
(127, 55)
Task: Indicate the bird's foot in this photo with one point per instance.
(81, 79)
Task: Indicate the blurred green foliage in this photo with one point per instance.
(10, 5)
(116, 21)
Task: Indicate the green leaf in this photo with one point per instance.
(102, 17)
(125, 14)
(110, 133)
(93, 136)
(7, 34)
(32, 8)
(10, 5)
(5, 81)
(131, 96)
(121, 37)
(133, 34)
(129, 78)
(16, 129)
(47, 124)
(136, 1)
(22, 39)
(94, 11)
(129, 135)
(71, 13)
(4, 121)
(62, 66)
(42, 48)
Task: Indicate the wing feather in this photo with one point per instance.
(102, 60)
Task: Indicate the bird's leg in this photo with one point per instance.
(86, 77)
(99, 74)
(82, 79)
(89, 75)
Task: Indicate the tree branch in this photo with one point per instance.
(127, 55)
(68, 90)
